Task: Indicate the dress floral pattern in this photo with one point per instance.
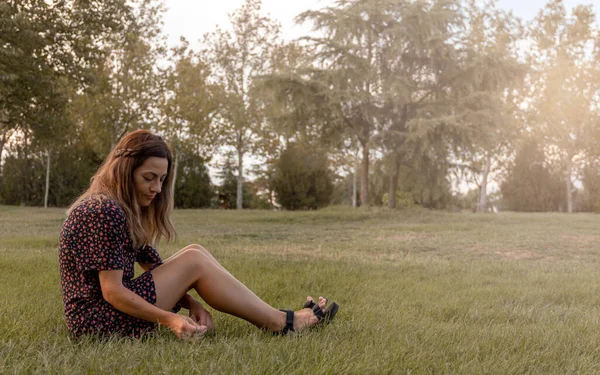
(95, 237)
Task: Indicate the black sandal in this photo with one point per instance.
(325, 316)
(289, 323)
(322, 316)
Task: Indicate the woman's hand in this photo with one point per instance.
(183, 326)
(199, 315)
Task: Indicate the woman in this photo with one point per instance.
(116, 222)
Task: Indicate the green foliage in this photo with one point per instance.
(46, 46)
(564, 89)
(422, 177)
(590, 197)
(426, 179)
(126, 86)
(227, 190)
(71, 170)
(193, 188)
(403, 199)
(23, 179)
(423, 88)
(465, 201)
(238, 57)
(342, 190)
(190, 103)
(24, 170)
(302, 179)
(530, 185)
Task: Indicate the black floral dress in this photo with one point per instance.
(95, 237)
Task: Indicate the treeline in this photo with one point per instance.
(387, 102)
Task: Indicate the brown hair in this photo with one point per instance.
(114, 178)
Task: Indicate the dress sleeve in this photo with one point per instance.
(98, 241)
(147, 254)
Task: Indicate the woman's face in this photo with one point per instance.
(148, 179)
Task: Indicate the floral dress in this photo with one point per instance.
(95, 237)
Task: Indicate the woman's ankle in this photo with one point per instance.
(277, 324)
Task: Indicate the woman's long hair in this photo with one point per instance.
(114, 178)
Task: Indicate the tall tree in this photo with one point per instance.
(487, 100)
(47, 48)
(189, 106)
(238, 57)
(565, 84)
(296, 109)
(302, 179)
(126, 85)
(348, 55)
(531, 185)
(420, 66)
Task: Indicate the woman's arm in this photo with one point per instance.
(123, 299)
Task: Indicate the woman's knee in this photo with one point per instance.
(196, 247)
(196, 255)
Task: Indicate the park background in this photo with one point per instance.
(456, 105)
(423, 113)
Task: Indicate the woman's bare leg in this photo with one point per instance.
(194, 267)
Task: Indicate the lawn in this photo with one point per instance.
(420, 292)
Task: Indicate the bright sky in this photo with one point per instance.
(194, 18)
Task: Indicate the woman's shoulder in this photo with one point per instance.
(99, 208)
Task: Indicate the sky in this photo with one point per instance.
(193, 18)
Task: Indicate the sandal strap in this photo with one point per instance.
(311, 303)
(289, 323)
(318, 312)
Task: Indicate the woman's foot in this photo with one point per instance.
(303, 319)
(306, 318)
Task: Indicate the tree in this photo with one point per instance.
(238, 58)
(32, 66)
(227, 190)
(126, 85)
(189, 106)
(348, 56)
(47, 48)
(565, 83)
(193, 185)
(487, 100)
(23, 174)
(591, 186)
(295, 110)
(531, 186)
(420, 67)
(302, 178)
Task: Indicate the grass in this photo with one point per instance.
(421, 292)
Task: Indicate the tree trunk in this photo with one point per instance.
(24, 190)
(354, 180)
(568, 182)
(240, 180)
(175, 167)
(394, 184)
(364, 177)
(482, 204)
(2, 143)
(47, 180)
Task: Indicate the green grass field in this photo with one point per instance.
(421, 292)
